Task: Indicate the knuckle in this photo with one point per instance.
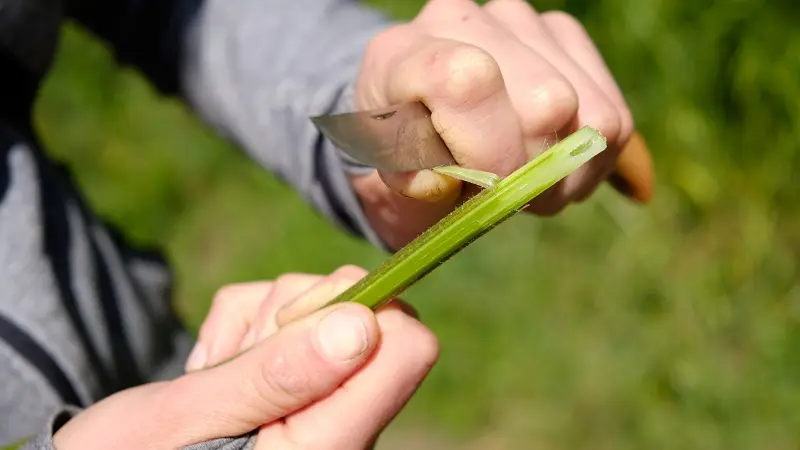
(510, 8)
(465, 74)
(225, 297)
(290, 278)
(282, 383)
(446, 9)
(224, 294)
(626, 124)
(233, 293)
(407, 308)
(551, 105)
(562, 20)
(387, 39)
(426, 347)
(407, 339)
(349, 272)
(607, 121)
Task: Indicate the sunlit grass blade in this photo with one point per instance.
(474, 218)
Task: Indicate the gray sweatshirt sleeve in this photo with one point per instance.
(256, 70)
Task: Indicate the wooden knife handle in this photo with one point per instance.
(633, 175)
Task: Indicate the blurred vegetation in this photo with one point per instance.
(609, 326)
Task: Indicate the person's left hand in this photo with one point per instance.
(269, 367)
(355, 413)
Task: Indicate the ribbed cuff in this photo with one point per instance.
(44, 440)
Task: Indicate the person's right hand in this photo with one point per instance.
(330, 379)
(501, 81)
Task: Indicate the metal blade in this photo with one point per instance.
(399, 138)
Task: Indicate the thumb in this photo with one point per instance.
(303, 362)
(424, 185)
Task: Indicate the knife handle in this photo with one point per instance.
(633, 174)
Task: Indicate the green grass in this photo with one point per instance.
(608, 327)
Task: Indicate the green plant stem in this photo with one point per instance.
(483, 179)
(473, 219)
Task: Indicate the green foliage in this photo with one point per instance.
(609, 326)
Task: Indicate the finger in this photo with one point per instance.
(286, 288)
(595, 106)
(321, 292)
(229, 318)
(370, 399)
(302, 363)
(406, 307)
(424, 185)
(576, 42)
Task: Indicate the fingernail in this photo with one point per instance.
(342, 335)
(197, 358)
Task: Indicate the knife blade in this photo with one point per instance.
(402, 138)
(399, 138)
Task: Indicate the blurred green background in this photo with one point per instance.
(610, 326)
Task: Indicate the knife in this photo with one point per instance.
(402, 138)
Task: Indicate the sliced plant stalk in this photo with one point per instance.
(473, 219)
(479, 177)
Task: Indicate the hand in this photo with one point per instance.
(330, 379)
(501, 81)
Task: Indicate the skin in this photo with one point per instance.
(262, 363)
(502, 81)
